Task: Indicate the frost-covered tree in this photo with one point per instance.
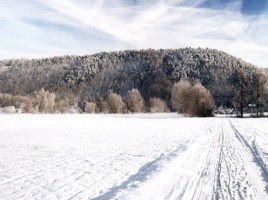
(102, 105)
(134, 101)
(44, 101)
(116, 104)
(200, 102)
(241, 93)
(150, 71)
(90, 107)
(180, 96)
(157, 105)
(260, 93)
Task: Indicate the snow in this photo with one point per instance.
(145, 156)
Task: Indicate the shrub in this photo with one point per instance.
(200, 101)
(27, 106)
(9, 110)
(157, 105)
(44, 101)
(21, 102)
(134, 101)
(9, 100)
(105, 107)
(180, 95)
(102, 105)
(66, 103)
(116, 104)
(90, 107)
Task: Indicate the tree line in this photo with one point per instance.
(187, 97)
(152, 72)
(251, 93)
(86, 83)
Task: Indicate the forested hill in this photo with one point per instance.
(152, 72)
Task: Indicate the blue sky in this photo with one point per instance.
(44, 28)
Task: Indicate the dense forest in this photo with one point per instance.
(77, 80)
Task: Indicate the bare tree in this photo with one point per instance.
(44, 101)
(157, 105)
(134, 101)
(102, 105)
(26, 105)
(241, 91)
(90, 107)
(260, 81)
(116, 104)
(201, 103)
(65, 103)
(180, 95)
(9, 100)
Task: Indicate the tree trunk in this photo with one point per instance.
(241, 101)
(257, 109)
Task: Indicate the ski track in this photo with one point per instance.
(139, 157)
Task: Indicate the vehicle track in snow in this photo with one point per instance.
(239, 170)
(181, 176)
(255, 139)
(183, 158)
(222, 167)
(234, 178)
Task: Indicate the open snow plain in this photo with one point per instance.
(132, 157)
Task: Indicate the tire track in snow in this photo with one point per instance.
(222, 169)
(179, 176)
(253, 154)
(224, 161)
(200, 185)
(255, 139)
(238, 176)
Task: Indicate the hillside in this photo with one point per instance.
(153, 72)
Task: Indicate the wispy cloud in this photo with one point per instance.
(38, 28)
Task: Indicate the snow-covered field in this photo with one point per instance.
(132, 157)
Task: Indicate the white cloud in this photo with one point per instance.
(52, 27)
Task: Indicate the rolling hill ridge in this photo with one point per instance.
(152, 72)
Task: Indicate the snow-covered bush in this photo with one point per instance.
(102, 105)
(44, 101)
(134, 101)
(9, 100)
(200, 101)
(157, 105)
(180, 96)
(90, 107)
(74, 110)
(9, 110)
(116, 104)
